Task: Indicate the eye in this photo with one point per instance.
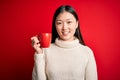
(69, 22)
(58, 23)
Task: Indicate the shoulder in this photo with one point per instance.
(87, 50)
(90, 52)
(85, 47)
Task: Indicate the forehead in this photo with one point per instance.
(65, 15)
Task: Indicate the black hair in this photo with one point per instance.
(72, 11)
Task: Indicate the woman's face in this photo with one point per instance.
(66, 25)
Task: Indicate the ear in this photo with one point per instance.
(77, 24)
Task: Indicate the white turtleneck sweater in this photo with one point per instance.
(65, 61)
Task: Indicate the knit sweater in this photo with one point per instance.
(65, 60)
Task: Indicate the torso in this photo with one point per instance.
(66, 64)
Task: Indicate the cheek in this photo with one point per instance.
(58, 29)
(73, 29)
(73, 32)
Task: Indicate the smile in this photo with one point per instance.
(65, 33)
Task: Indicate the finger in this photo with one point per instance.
(34, 40)
(34, 37)
(37, 45)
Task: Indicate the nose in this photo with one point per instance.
(65, 26)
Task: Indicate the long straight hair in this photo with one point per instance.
(72, 11)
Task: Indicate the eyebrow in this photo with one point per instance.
(66, 19)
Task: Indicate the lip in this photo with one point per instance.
(65, 33)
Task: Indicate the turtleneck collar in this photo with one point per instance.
(67, 44)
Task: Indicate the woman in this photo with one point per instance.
(67, 58)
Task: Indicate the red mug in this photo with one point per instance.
(45, 39)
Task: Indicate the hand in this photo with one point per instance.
(36, 44)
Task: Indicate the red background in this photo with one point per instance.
(22, 19)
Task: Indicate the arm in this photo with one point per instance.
(39, 61)
(39, 67)
(91, 69)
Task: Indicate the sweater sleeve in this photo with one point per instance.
(91, 69)
(39, 67)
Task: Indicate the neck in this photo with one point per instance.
(67, 44)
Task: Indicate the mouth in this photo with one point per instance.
(65, 33)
